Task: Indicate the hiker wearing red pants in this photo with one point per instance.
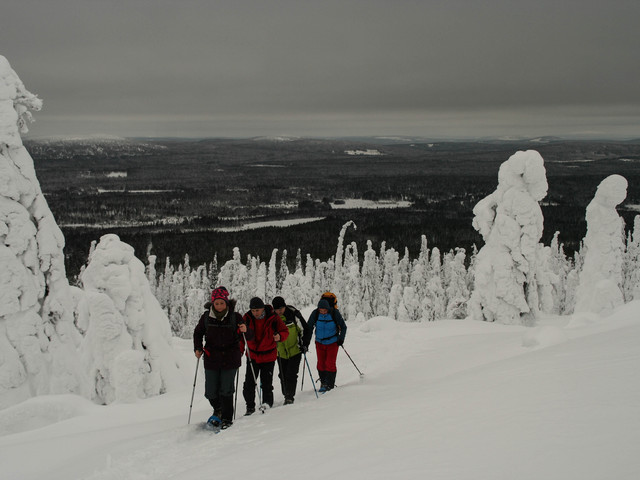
(330, 331)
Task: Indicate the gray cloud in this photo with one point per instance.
(337, 67)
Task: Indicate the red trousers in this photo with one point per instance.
(327, 355)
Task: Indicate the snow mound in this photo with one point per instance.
(540, 337)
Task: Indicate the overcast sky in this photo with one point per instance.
(430, 68)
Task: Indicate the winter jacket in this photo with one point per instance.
(329, 330)
(262, 347)
(297, 326)
(223, 347)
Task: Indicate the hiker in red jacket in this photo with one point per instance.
(268, 329)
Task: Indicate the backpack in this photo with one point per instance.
(331, 298)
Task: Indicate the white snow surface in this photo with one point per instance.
(451, 399)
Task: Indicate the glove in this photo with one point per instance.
(340, 342)
(304, 349)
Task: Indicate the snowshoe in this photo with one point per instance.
(214, 424)
(264, 407)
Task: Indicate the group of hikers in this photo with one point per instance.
(264, 334)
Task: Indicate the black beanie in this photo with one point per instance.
(278, 302)
(256, 303)
(324, 303)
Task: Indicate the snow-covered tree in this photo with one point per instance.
(352, 286)
(152, 275)
(38, 341)
(118, 314)
(234, 276)
(600, 288)
(283, 272)
(271, 288)
(510, 221)
(455, 284)
(371, 281)
(389, 270)
(339, 274)
(435, 307)
(631, 263)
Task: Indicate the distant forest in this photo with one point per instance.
(168, 197)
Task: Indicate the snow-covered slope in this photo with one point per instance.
(439, 400)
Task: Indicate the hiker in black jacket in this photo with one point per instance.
(222, 329)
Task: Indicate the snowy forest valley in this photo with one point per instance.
(171, 194)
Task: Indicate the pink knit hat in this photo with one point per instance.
(220, 292)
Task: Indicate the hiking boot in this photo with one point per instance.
(288, 401)
(226, 424)
(323, 388)
(250, 411)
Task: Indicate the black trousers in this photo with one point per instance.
(264, 372)
(288, 375)
(219, 388)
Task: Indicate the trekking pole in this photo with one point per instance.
(354, 363)
(281, 375)
(310, 376)
(302, 383)
(253, 372)
(235, 402)
(194, 390)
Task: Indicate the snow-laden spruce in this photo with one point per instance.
(38, 342)
(127, 338)
(600, 288)
(510, 221)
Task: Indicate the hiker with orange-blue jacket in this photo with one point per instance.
(331, 331)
